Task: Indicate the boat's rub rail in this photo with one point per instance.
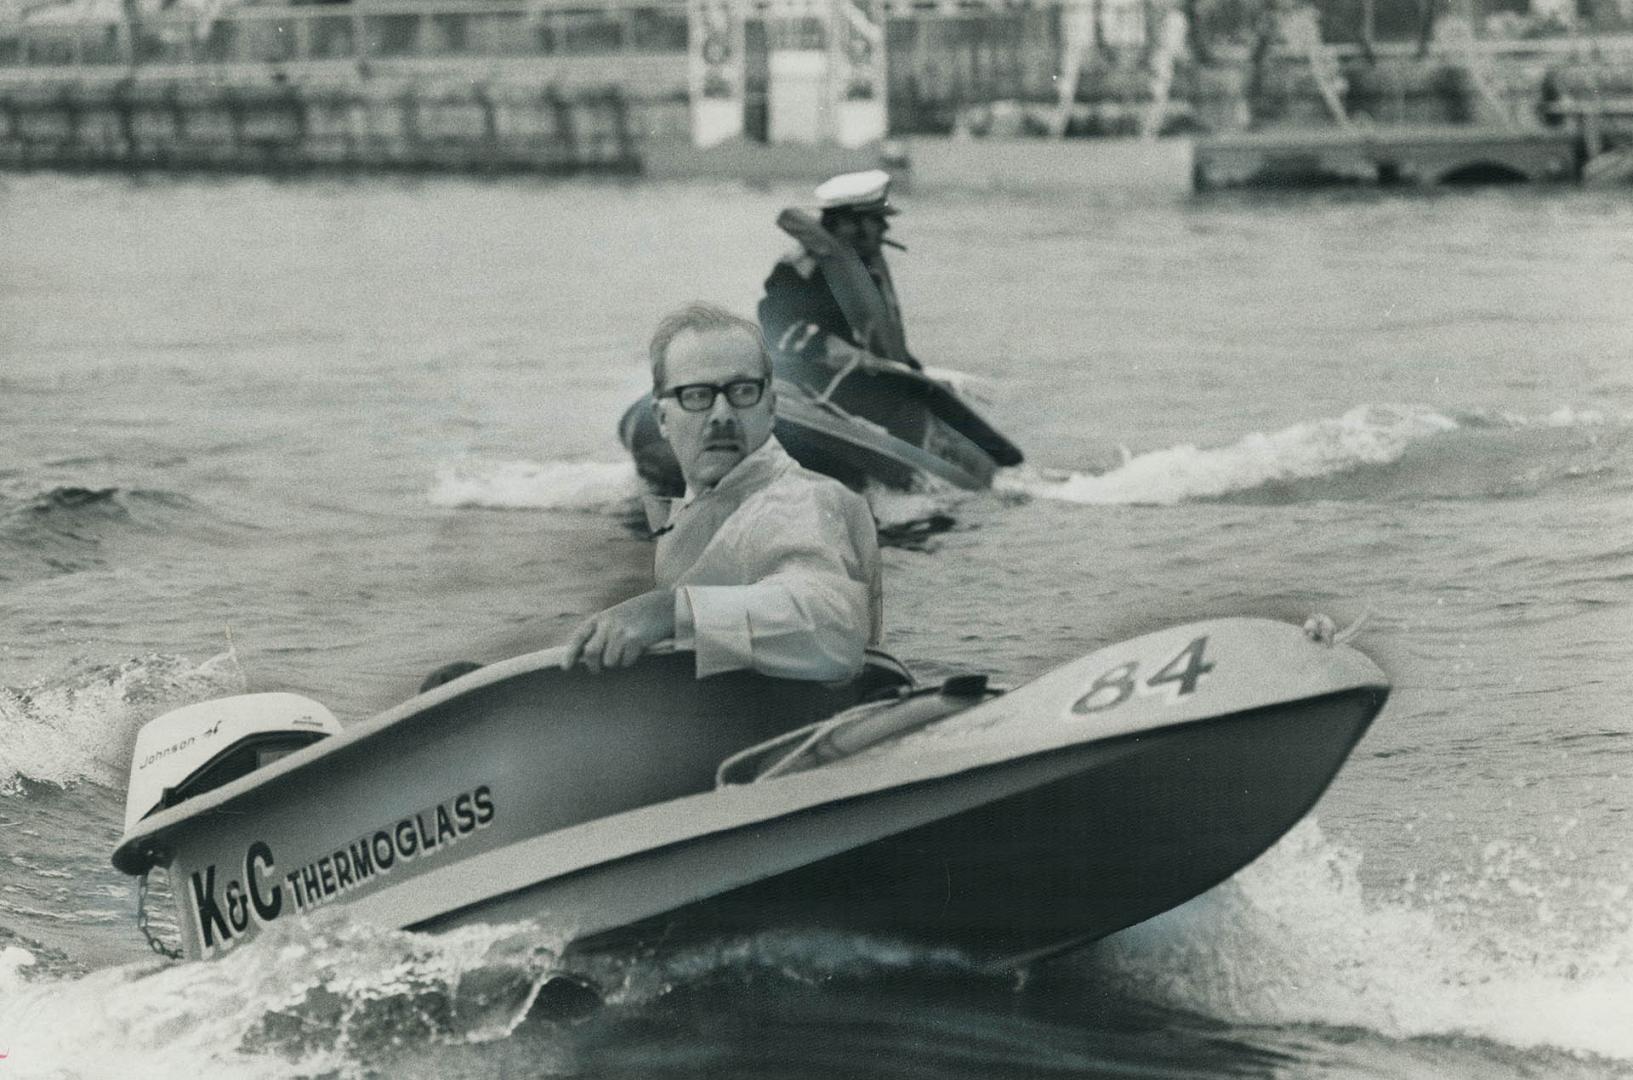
(143, 845)
(605, 841)
(1181, 675)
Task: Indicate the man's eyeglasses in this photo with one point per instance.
(699, 397)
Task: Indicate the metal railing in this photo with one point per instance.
(517, 31)
(385, 31)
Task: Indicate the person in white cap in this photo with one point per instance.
(817, 303)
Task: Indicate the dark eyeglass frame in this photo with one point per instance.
(740, 394)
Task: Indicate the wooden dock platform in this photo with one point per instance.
(1379, 154)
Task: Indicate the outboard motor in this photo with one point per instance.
(197, 748)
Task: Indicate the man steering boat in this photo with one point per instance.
(832, 296)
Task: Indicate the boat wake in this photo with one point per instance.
(586, 486)
(81, 725)
(325, 996)
(1370, 451)
(979, 388)
(1291, 956)
(595, 487)
(1294, 939)
(317, 996)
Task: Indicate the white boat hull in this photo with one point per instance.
(1110, 789)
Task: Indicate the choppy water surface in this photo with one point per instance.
(323, 437)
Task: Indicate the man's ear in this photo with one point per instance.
(659, 414)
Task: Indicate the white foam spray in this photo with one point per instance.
(81, 727)
(586, 486)
(1293, 939)
(964, 383)
(903, 509)
(14, 960)
(311, 996)
(1568, 417)
(1366, 435)
(807, 955)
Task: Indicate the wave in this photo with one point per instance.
(61, 505)
(981, 388)
(14, 962)
(1280, 958)
(1366, 435)
(62, 528)
(524, 485)
(913, 519)
(81, 726)
(321, 995)
(316, 996)
(905, 518)
(1356, 455)
(23, 959)
(1293, 939)
(1566, 416)
(58, 529)
(1371, 451)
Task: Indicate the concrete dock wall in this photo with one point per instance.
(500, 88)
(361, 125)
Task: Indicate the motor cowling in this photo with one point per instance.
(196, 748)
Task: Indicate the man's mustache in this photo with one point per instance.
(722, 431)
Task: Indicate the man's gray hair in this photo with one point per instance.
(700, 318)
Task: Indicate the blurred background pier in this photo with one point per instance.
(1372, 90)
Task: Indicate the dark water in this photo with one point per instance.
(324, 437)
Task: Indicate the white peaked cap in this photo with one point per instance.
(869, 190)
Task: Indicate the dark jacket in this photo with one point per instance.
(799, 313)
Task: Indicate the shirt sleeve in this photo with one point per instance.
(685, 625)
(809, 615)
